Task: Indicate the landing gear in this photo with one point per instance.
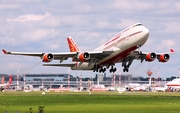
(127, 62)
(102, 70)
(112, 69)
(125, 69)
(139, 52)
(95, 68)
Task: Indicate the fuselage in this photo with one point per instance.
(174, 83)
(123, 43)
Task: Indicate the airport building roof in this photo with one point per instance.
(47, 77)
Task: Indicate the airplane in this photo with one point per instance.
(6, 85)
(135, 87)
(122, 48)
(174, 83)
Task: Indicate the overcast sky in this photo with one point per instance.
(44, 25)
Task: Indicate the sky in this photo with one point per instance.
(44, 25)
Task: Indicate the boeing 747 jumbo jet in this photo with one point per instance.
(122, 48)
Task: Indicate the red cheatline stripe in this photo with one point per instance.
(173, 85)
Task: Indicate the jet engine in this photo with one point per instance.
(164, 58)
(84, 56)
(48, 57)
(150, 57)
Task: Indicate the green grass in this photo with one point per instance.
(82, 102)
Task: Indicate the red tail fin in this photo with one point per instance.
(10, 79)
(4, 51)
(2, 82)
(72, 45)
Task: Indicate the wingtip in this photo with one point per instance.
(4, 51)
(172, 51)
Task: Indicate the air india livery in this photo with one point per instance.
(122, 48)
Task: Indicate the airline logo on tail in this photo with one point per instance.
(72, 45)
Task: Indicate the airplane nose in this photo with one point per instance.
(145, 32)
(143, 36)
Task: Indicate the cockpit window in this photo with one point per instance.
(137, 25)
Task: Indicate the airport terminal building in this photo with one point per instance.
(48, 77)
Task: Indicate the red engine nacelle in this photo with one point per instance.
(164, 58)
(84, 56)
(150, 57)
(48, 57)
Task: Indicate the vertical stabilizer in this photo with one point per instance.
(2, 81)
(10, 79)
(72, 45)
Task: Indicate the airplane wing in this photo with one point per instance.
(47, 57)
(147, 56)
(150, 56)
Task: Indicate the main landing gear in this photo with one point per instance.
(96, 69)
(126, 63)
(126, 68)
(103, 69)
(112, 69)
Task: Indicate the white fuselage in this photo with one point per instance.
(122, 44)
(174, 83)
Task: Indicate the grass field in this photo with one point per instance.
(82, 102)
